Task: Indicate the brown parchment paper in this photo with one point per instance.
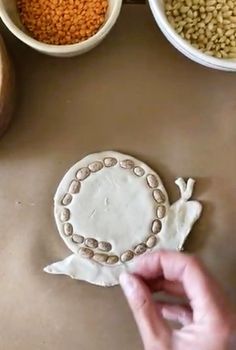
(135, 94)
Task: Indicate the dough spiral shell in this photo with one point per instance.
(103, 251)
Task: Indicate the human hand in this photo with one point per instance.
(208, 322)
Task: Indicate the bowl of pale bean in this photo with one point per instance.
(203, 30)
(61, 28)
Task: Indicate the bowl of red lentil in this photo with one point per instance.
(63, 28)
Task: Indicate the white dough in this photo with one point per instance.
(117, 206)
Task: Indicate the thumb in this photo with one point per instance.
(152, 327)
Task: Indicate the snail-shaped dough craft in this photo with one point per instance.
(110, 208)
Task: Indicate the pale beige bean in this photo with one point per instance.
(201, 38)
(82, 174)
(95, 166)
(161, 211)
(171, 20)
(74, 187)
(159, 196)
(222, 39)
(91, 243)
(140, 249)
(208, 18)
(105, 246)
(151, 241)
(181, 23)
(68, 229)
(139, 171)
(101, 258)
(156, 226)
(214, 14)
(78, 239)
(210, 27)
(209, 46)
(210, 53)
(210, 2)
(177, 5)
(227, 14)
(189, 23)
(152, 181)
(127, 164)
(179, 30)
(64, 215)
(168, 7)
(190, 14)
(219, 18)
(231, 4)
(86, 253)
(225, 8)
(66, 200)
(229, 32)
(184, 9)
(201, 25)
(214, 37)
(208, 35)
(127, 256)
(112, 259)
(175, 13)
(110, 162)
(224, 54)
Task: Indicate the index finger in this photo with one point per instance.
(201, 289)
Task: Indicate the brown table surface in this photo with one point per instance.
(136, 94)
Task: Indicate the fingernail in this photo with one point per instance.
(128, 284)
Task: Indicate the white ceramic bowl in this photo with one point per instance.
(183, 46)
(9, 15)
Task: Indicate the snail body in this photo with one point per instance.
(110, 208)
